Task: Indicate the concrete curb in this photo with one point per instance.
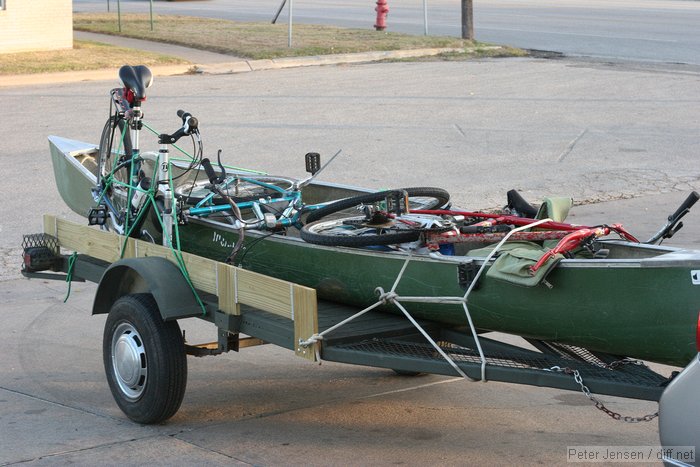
(239, 66)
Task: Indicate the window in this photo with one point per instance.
(2, 4)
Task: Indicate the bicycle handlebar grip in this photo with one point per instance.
(209, 171)
(191, 123)
(687, 204)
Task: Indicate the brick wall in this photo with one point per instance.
(28, 25)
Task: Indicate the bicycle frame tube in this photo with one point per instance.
(163, 179)
(206, 210)
(228, 182)
(289, 217)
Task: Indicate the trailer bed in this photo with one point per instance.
(376, 339)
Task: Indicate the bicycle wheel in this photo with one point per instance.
(418, 198)
(337, 224)
(357, 231)
(109, 156)
(245, 190)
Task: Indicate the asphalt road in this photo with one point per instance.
(641, 30)
(622, 139)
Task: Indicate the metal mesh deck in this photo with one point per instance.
(510, 366)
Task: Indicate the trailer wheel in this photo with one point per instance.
(144, 359)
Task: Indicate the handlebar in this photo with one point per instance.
(190, 125)
(673, 223)
(210, 171)
(213, 178)
(685, 207)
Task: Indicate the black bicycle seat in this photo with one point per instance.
(137, 79)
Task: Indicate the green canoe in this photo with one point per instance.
(637, 300)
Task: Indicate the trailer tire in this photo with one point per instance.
(144, 359)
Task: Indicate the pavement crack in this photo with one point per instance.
(213, 451)
(460, 130)
(571, 145)
(85, 449)
(59, 404)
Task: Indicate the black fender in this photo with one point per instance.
(153, 275)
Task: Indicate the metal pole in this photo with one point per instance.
(425, 17)
(289, 39)
(107, 6)
(151, 9)
(279, 10)
(119, 14)
(467, 20)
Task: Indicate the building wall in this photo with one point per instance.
(29, 25)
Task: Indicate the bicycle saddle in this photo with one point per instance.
(137, 79)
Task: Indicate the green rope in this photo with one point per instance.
(69, 276)
(191, 157)
(150, 200)
(175, 250)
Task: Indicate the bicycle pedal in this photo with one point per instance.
(313, 162)
(98, 215)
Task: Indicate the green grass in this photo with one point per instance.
(83, 56)
(244, 40)
(258, 40)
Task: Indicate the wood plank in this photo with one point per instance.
(233, 286)
(202, 271)
(305, 321)
(227, 289)
(244, 342)
(96, 243)
(266, 293)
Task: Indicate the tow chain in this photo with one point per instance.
(598, 403)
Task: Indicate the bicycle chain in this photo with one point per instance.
(598, 403)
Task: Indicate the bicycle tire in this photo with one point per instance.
(115, 193)
(437, 198)
(106, 149)
(336, 232)
(193, 193)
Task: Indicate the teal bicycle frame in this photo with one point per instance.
(289, 217)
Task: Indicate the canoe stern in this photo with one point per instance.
(75, 172)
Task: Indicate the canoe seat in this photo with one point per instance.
(136, 79)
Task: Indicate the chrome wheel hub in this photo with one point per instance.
(129, 363)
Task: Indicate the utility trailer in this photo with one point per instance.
(142, 288)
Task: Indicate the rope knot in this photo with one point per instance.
(310, 341)
(386, 297)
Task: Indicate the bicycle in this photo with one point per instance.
(270, 203)
(122, 182)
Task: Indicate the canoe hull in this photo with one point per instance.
(75, 172)
(646, 309)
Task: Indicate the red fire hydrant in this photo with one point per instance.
(382, 10)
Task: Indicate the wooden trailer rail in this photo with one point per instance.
(232, 285)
